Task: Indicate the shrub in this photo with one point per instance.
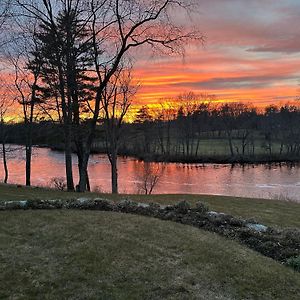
(58, 183)
(127, 206)
(294, 263)
(201, 208)
(154, 206)
(104, 204)
(182, 207)
(98, 190)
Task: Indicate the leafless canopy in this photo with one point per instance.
(117, 26)
(113, 31)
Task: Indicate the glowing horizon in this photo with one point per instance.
(251, 55)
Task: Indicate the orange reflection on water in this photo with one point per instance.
(248, 181)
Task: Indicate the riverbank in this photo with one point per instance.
(202, 158)
(217, 159)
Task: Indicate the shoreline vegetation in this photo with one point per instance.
(210, 159)
(194, 132)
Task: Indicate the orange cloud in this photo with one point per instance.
(260, 80)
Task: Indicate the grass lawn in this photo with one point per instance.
(215, 146)
(102, 255)
(269, 212)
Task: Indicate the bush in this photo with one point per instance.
(104, 204)
(154, 206)
(201, 208)
(127, 206)
(58, 183)
(98, 190)
(182, 207)
(294, 263)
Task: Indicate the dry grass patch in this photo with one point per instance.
(101, 255)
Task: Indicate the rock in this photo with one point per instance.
(154, 206)
(167, 207)
(236, 222)
(23, 203)
(83, 200)
(218, 219)
(171, 216)
(257, 227)
(104, 204)
(127, 206)
(45, 204)
(12, 205)
(143, 205)
(80, 203)
(215, 214)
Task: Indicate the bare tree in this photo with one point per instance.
(150, 177)
(145, 122)
(5, 6)
(4, 105)
(27, 76)
(5, 101)
(116, 28)
(116, 100)
(64, 47)
(186, 121)
(165, 116)
(122, 26)
(58, 183)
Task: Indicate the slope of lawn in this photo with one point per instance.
(269, 212)
(102, 255)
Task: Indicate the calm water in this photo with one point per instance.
(250, 181)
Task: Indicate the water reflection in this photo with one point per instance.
(265, 181)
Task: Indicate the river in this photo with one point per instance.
(258, 181)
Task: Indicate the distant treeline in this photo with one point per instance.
(230, 132)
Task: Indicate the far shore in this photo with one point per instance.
(205, 159)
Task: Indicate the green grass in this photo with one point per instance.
(217, 147)
(221, 147)
(103, 255)
(269, 212)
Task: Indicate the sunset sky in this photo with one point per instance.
(251, 54)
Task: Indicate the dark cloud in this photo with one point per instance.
(287, 46)
(241, 82)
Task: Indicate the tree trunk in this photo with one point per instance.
(197, 146)
(4, 162)
(29, 135)
(83, 157)
(28, 164)
(114, 173)
(230, 143)
(88, 187)
(83, 172)
(68, 158)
